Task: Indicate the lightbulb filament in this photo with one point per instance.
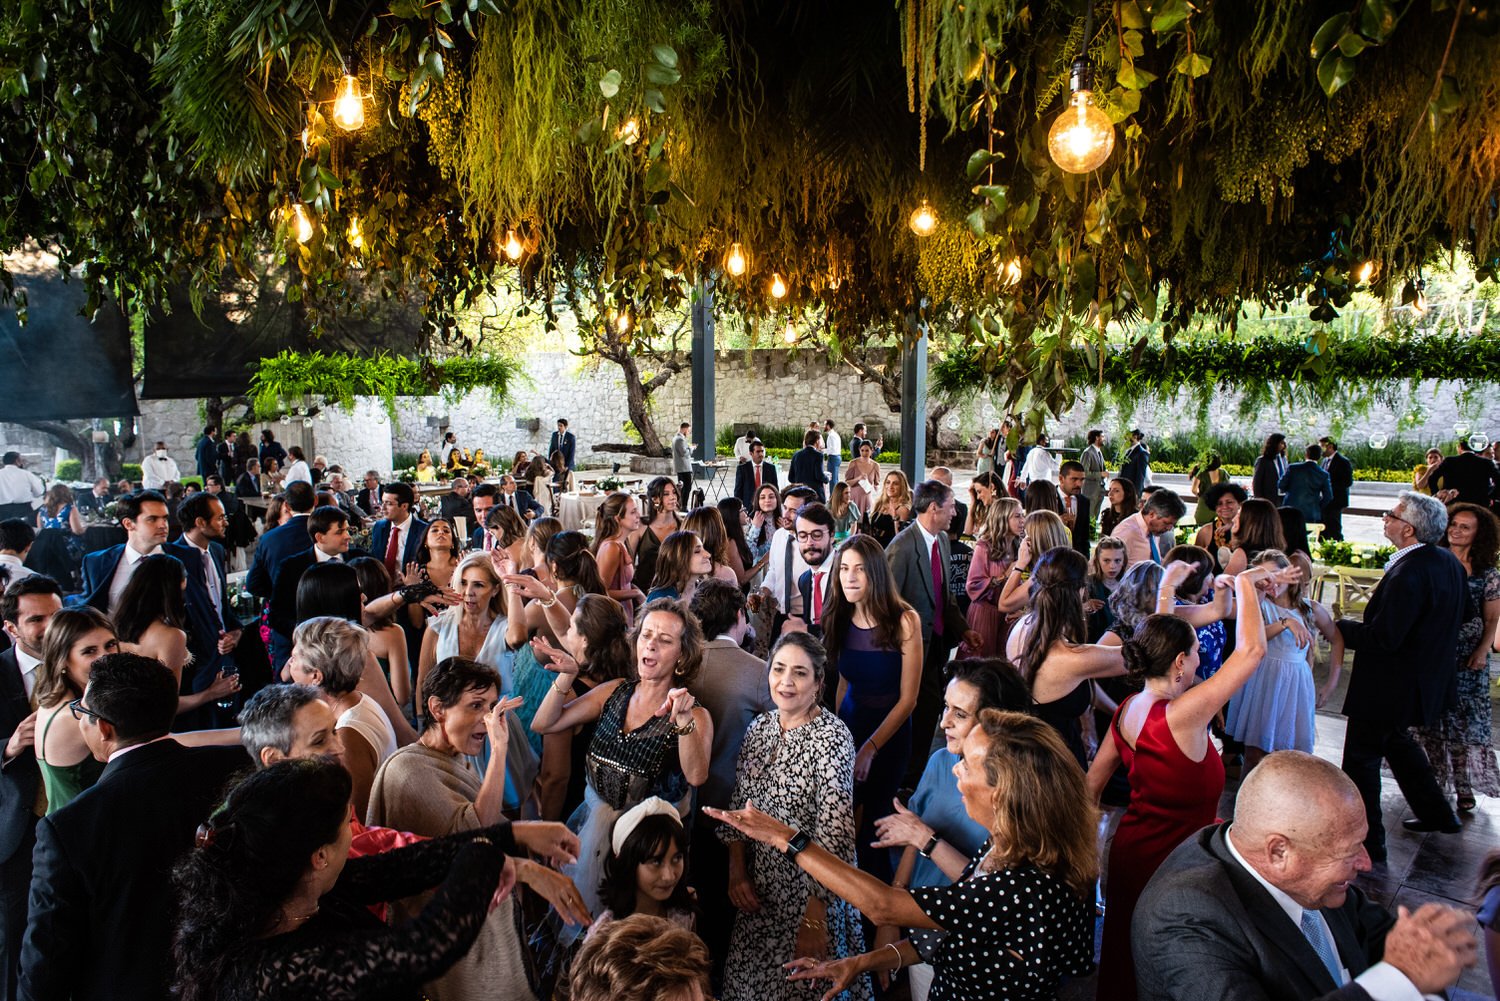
(1365, 272)
(923, 220)
(349, 106)
(629, 131)
(778, 287)
(302, 223)
(735, 262)
(356, 238)
(791, 333)
(513, 248)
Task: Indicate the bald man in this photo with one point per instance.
(1265, 908)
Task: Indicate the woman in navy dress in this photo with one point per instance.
(875, 640)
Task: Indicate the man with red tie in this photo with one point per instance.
(750, 476)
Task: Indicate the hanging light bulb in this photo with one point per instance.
(923, 219)
(791, 333)
(302, 224)
(355, 237)
(1082, 136)
(349, 105)
(778, 287)
(622, 322)
(629, 131)
(834, 280)
(1365, 273)
(512, 246)
(1010, 272)
(735, 261)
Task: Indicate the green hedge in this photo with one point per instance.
(788, 438)
(1368, 475)
(70, 470)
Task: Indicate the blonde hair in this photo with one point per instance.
(889, 503)
(1295, 593)
(481, 560)
(1046, 532)
(1106, 543)
(640, 958)
(1043, 813)
(996, 527)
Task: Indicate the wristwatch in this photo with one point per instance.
(926, 850)
(796, 843)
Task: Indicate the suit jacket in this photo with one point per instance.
(1134, 466)
(20, 776)
(1406, 648)
(452, 507)
(733, 687)
(204, 620)
(567, 445)
(1092, 460)
(207, 456)
(1307, 487)
(380, 535)
(1471, 474)
(246, 485)
(1082, 529)
(744, 482)
(282, 616)
(100, 922)
(272, 549)
(1132, 532)
(368, 500)
(98, 574)
(804, 587)
(1341, 475)
(525, 503)
(1206, 928)
(808, 469)
(682, 454)
(911, 568)
(1265, 481)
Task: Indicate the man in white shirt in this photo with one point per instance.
(742, 446)
(1272, 909)
(834, 446)
(16, 537)
(297, 470)
(1040, 463)
(20, 489)
(105, 573)
(784, 564)
(157, 468)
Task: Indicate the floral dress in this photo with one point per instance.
(1459, 745)
(803, 777)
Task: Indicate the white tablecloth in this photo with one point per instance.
(575, 509)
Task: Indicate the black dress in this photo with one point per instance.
(345, 952)
(1063, 715)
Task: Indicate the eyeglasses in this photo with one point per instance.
(80, 711)
(817, 536)
(1394, 516)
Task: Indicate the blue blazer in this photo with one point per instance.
(380, 536)
(567, 445)
(208, 456)
(274, 547)
(203, 618)
(524, 503)
(98, 573)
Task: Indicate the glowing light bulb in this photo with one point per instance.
(1419, 304)
(735, 261)
(923, 220)
(513, 248)
(1082, 136)
(622, 323)
(778, 287)
(302, 224)
(355, 237)
(834, 281)
(1010, 272)
(349, 106)
(629, 131)
(790, 333)
(1365, 273)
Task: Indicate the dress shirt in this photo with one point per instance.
(742, 448)
(20, 486)
(399, 532)
(832, 443)
(123, 572)
(122, 751)
(782, 585)
(157, 470)
(18, 570)
(1040, 465)
(323, 557)
(210, 579)
(1397, 556)
(1383, 981)
(297, 472)
(28, 665)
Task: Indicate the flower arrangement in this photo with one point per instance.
(1359, 555)
(610, 484)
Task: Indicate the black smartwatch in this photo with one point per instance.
(796, 843)
(926, 850)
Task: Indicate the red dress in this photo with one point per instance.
(1171, 797)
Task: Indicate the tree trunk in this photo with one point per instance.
(638, 401)
(886, 376)
(934, 423)
(79, 441)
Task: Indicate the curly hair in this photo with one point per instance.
(1485, 548)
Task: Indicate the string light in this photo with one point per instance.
(355, 237)
(512, 246)
(629, 131)
(302, 224)
(1082, 137)
(1365, 273)
(735, 261)
(778, 287)
(349, 106)
(622, 322)
(923, 219)
(1010, 272)
(791, 333)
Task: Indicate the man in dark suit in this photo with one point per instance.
(1306, 485)
(1266, 909)
(1070, 477)
(483, 500)
(1137, 461)
(208, 452)
(328, 529)
(274, 547)
(100, 923)
(807, 466)
(1468, 477)
(1341, 475)
(27, 607)
(919, 556)
(247, 484)
(213, 628)
(814, 527)
(457, 504)
(1405, 666)
(563, 441)
(750, 476)
(396, 538)
(105, 573)
(368, 498)
(518, 500)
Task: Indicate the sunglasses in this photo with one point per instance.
(80, 711)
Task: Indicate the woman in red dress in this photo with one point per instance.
(1161, 735)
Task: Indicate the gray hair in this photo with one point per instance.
(266, 720)
(336, 647)
(1164, 504)
(1426, 515)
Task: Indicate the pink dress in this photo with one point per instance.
(985, 617)
(624, 575)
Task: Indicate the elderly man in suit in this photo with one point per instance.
(1140, 532)
(919, 556)
(1405, 666)
(26, 608)
(750, 476)
(100, 923)
(1266, 908)
(105, 573)
(213, 629)
(520, 501)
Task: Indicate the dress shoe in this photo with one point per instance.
(1418, 826)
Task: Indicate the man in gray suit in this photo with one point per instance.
(918, 558)
(1266, 907)
(682, 464)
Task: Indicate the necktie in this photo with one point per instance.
(937, 589)
(1155, 553)
(211, 578)
(757, 476)
(1317, 937)
(817, 596)
(392, 553)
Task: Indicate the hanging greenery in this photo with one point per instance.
(291, 378)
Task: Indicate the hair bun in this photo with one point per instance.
(1137, 660)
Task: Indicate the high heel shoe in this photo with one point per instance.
(1466, 804)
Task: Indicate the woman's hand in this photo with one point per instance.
(1092, 605)
(558, 890)
(755, 825)
(742, 891)
(863, 760)
(410, 574)
(1299, 631)
(552, 658)
(885, 935)
(550, 840)
(528, 586)
(1479, 660)
(1023, 556)
(501, 560)
(222, 685)
(1323, 695)
(678, 706)
(900, 829)
(812, 941)
(436, 604)
(494, 720)
(842, 972)
(1175, 573)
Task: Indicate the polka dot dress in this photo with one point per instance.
(1009, 934)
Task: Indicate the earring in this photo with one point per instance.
(1178, 678)
(678, 671)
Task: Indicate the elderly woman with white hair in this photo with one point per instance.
(329, 653)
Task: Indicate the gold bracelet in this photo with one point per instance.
(814, 924)
(562, 691)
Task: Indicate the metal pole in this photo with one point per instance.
(914, 405)
(702, 417)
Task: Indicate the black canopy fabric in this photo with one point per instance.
(189, 357)
(61, 365)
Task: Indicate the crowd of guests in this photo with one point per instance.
(761, 749)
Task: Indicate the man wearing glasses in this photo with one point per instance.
(1405, 663)
(815, 525)
(101, 897)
